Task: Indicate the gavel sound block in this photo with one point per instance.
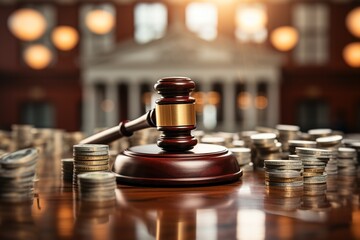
(177, 159)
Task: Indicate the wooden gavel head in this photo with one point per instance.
(175, 114)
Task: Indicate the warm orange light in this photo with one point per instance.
(37, 56)
(27, 24)
(213, 98)
(261, 102)
(244, 100)
(351, 54)
(100, 21)
(353, 22)
(251, 19)
(65, 37)
(284, 38)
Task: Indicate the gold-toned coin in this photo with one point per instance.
(283, 180)
(91, 168)
(314, 170)
(90, 158)
(92, 163)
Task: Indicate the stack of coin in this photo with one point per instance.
(286, 133)
(243, 156)
(315, 179)
(227, 136)
(314, 161)
(238, 143)
(356, 146)
(97, 186)
(347, 161)
(330, 143)
(17, 173)
(283, 173)
(266, 147)
(67, 169)
(246, 137)
(320, 132)
(293, 144)
(90, 158)
(22, 135)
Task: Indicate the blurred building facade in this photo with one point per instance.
(242, 80)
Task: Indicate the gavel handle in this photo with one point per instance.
(125, 128)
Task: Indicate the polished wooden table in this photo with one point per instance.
(239, 210)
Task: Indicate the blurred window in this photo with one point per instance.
(312, 22)
(202, 18)
(38, 114)
(150, 21)
(313, 114)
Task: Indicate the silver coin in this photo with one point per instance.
(90, 147)
(290, 184)
(290, 128)
(282, 162)
(329, 139)
(301, 151)
(19, 158)
(260, 137)
(283, 174)
(97, 176)
(98, 153)
(315, 179)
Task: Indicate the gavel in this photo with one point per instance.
(174, 115)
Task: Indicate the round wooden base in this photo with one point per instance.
(150, 165)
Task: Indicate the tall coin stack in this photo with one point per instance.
(286, 133)
(22, 135)
(266, 147)
(67, 169)
(347, 161)
(17, 173)
(243, 156)
(90, 158)
(331, 143)
(97, 186)
(284, 177)
(314, 161)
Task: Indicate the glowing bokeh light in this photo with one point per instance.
(353, 22)
(37, 56)
(351, 54)
(100, 21)
(284, 38)
(27, 24)
(65, 38)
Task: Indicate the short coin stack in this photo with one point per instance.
(97, 186)
(67, 169)
(22, 135)
(286, 174)
(243, 156)
(293, 144)
(267, 147)
(17, 173)
(330, 143)
(286, 133)
(347, 161)
(90, 158)
(314, 161)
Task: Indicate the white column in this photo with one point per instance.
(250, 119)
(273, 103)
(134, 100)
(229, 105)
(111, 93)
(205, 87)
(89, 108)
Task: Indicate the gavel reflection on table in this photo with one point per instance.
(177, 159)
